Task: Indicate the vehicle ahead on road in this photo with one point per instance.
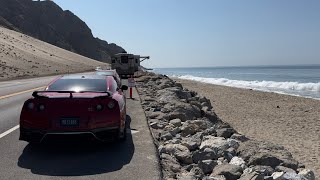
(89, 105)
(126, 64)
(110, 73)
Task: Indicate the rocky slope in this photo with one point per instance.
(46, 21)
(22, 56)
(193, 143)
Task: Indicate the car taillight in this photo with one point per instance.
(99, 107)
(110, 104)
(30, 106)
(41, 107)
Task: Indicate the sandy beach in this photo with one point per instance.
(293, 122)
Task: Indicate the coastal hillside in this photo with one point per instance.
(46, 21)
(22, 56)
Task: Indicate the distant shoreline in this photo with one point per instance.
(244, 66)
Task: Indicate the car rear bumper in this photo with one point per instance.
(37, 136)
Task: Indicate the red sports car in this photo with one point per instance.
(90, 105)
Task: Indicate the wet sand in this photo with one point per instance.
(293, 122)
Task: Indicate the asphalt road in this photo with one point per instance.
(134, 159)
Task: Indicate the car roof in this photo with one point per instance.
(83, 76)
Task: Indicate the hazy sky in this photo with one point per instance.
(186, 33)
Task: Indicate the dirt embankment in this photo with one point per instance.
(22, 56)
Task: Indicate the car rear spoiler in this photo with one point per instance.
(37, 94)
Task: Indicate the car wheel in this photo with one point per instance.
(123, 134)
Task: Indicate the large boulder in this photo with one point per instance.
(230, 171)
(267, 154)
(218, 144)
(170, 165)
(179, 151)
(204, 154)
(238, 161)
(176, 122)
(225, 132)
(192, 127)
(190, 143)
(207, 165)
(307, 174)
(265, 170)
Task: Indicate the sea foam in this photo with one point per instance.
(293, 88)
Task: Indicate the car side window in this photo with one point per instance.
(114, 86)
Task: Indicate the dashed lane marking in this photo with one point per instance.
(9, 131)
(22, 92)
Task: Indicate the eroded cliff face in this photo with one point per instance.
(46, 21)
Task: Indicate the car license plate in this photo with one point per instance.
(69, 122)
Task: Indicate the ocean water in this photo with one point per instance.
(293, 80)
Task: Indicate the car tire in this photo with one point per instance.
(123, 135)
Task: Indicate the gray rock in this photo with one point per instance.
(188, 167)
(210, 131)
(196, 103)
(174, 141)
(176, 122)
(225, 132)
(190, 144)
(268, 178)
(170, 163)
(192, 127)
(251, 176)
(307, 174)
(179, 151)
(219, 144)
(239, 137)
(197, 172)
(211, 116)
(284, 169)
(208, 104)
(233, 143)
(175, 131)
(278, 175)
(186, 176)
(207, 166)
(231, 151)
(238, 161)
(204, 154)
(291, 176)
(166, 136)
(268, 154)
(217, 177)
(168, 95)
(230, 171)
(155, 115)
(154, 125)
(265, 170)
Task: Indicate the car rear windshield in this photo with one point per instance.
(79, 85)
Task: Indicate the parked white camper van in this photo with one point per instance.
(126, 64)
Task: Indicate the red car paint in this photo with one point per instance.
(96, 113)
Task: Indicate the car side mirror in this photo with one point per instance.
(124, 87)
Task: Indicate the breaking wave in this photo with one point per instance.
(293, 88)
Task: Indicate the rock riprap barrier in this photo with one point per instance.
(193, 143)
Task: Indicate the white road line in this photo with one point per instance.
(9, 131)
